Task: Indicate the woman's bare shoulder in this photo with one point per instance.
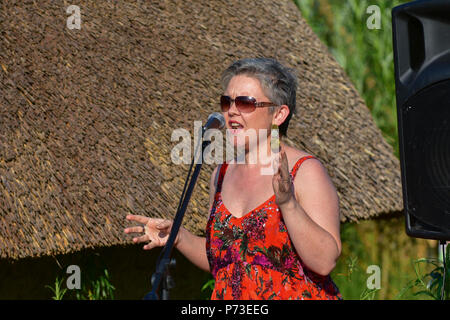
(294, 154)
(312, 173)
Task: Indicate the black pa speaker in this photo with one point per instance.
(421, 39)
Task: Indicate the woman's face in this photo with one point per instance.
(238, 123)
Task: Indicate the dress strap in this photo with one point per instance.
(298, 164)
(223, 169)
(224, 166)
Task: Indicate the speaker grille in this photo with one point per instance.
(427, 147)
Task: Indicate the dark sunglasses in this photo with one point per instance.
(243, 104)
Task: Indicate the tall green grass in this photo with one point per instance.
(366, 55)
(95, 281)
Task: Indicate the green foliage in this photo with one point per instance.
(382, 243)
(430, 284)
(209, 285)
(208, 288)
(365, 54)
(57, 290)
(94, 285)
(350, 273)
(98, 289)
(352, 282)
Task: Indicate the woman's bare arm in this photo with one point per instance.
(311, 214)
(194, 247)
(157, 232)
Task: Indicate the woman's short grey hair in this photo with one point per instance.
(278, 82)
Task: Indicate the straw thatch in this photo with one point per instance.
(86, 115)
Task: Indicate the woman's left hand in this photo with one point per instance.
(282, 183)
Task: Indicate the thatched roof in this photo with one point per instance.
(86, 115)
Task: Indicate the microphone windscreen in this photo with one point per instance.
(216, 120)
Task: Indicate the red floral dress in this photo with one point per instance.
(252, 257)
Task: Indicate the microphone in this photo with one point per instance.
(215, 121)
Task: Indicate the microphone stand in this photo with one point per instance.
(161, 280)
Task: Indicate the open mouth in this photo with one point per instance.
(235, 127)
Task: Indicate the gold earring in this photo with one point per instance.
(275, 139)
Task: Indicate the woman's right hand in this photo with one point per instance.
(154, 230)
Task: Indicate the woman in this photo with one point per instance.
(268, 236)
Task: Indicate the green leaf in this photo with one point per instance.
(209, 284)
(427, 293)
